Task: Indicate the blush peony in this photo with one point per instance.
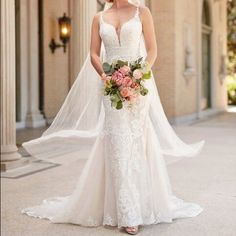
(117, 77)
(137, 74)
(125, 92)
(124, 70)
(127, 81)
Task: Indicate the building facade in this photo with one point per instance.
(189, 71)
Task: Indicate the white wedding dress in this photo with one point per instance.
(124, 181)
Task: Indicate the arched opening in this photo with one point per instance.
(206, 56)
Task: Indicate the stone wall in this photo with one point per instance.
(186, 20)
(179, 31)
(56, 71)
(164, 69)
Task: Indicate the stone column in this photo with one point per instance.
(82, 13)
(33, 118)
(9, 156)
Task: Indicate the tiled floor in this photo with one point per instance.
(208, 180)
(32, 165)
(23, 135)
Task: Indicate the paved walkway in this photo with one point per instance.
(209, 179)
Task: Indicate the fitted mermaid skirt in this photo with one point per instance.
(124, 181)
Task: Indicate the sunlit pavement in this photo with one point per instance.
(208, 179)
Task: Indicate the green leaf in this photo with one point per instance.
(113, 83)
(147, 75)
(106, 93)
(108, 85)
(144, 92)
(106, 67)
(107, 90)
(119, 105)
(114, 104)
(140, 59)
(118, 94)
(121, 63)
(115, 98)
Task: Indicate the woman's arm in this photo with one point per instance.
(149, 35)
(95, 46)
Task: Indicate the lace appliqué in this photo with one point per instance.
(125, 149)
(108, 220)
(92, 222)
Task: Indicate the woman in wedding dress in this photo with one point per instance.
(124, 182)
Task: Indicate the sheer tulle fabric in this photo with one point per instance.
(125, 174)
(103, 197)
(81, 117)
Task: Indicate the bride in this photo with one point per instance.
(124, 182)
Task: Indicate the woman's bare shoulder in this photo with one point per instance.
(97, 15)
(96, 18)
(145, 13)
(144, 10)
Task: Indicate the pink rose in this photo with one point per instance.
(127, 81)
(125, 92)
(137, 74)
(124, 70)
(117, 77)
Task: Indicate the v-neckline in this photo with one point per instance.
(118, 36)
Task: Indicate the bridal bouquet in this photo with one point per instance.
(124, 81)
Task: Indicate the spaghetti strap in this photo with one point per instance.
(137, 11)
(101, 17)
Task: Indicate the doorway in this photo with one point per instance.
(206, 57)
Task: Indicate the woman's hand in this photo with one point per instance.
(103, 76)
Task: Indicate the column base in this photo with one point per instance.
(8, 165)
(35, 120)
(9, 153)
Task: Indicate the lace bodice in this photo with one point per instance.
(126, 44)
